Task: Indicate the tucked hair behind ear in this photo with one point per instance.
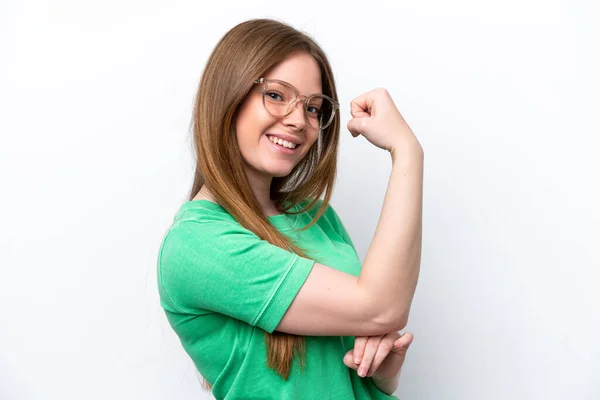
(244, 54)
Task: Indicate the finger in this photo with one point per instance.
(359, 348)
(360, 109)
(349, 360)
(403, 343)
(370, 351)
(384, 349)
(357, 125)
(362, 105)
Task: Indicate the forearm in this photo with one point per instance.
(391, 267)
(387, 386)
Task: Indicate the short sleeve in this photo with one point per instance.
(222, 267)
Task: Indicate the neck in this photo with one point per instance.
(261, 187)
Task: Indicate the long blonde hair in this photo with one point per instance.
(244, 54)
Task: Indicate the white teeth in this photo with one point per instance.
(282, 142)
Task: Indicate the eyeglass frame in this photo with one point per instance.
(335, 104)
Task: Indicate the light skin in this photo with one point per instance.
(262, 161)
(380, 357)
(331, 302)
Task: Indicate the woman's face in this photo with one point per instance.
(256, 127)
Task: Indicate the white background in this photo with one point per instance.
(95, 159)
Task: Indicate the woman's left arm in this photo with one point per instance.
(387, 386)
(380, 357)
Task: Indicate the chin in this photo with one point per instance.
(281, 173)
(278, 168)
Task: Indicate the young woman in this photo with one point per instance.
(257, 275)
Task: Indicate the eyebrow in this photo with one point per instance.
(281, 80)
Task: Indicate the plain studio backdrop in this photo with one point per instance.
(95, 106)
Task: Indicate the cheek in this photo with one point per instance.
(242, 123)
(251, 123)
(312, 138)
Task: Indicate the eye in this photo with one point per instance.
(274, 96)
(313, 110)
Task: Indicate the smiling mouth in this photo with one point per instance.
(282, 143)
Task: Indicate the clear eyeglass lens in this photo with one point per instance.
(279, 100)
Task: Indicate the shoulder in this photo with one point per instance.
(201, 225)
(203, 211)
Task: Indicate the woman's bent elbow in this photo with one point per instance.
(393, 320)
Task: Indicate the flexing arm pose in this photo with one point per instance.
(378, 301)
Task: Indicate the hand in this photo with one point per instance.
(380, 357)
(375, 116)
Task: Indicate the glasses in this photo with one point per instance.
(280, 100)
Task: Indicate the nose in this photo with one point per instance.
(296, 118)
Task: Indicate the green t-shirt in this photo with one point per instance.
(222, 287)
